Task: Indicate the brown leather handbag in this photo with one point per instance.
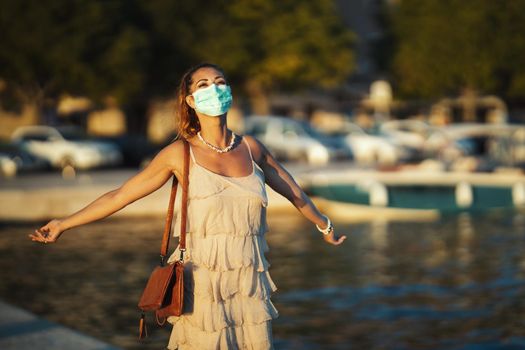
(164, 292)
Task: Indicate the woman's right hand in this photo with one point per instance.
(48, 233)
(334, 239)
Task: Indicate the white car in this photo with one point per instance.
(409, 132)
(372, 149)
(66, 146)
(291, 139)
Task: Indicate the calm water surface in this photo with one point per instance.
(458, 283)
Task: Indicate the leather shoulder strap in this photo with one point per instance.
(184, 208)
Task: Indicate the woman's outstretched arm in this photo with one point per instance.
(280, 180)
(167, 162)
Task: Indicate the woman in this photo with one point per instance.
(229, 303)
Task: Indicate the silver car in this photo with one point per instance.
(66, 146)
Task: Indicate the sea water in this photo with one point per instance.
(455, 283)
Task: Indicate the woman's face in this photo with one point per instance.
(203, 78)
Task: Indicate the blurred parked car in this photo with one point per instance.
(490, 145)
(66, 146)
(368, 148)
(290, 139)
(409, 132)
(14, 160)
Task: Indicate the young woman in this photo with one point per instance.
(229, 303)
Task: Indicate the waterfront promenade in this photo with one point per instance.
(39, 197)
(21, 330)
(43, 196)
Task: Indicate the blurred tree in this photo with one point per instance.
(261, 44)
(78, 46)
(444, 46)
(133, 50)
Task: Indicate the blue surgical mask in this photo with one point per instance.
(214, 100)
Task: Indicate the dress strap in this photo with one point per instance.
(249, 149)
(191, 154)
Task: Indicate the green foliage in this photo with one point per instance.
(443, 46)
(134, 49)
(76, 46)
(287, 44)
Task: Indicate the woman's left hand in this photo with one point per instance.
(334, 239)
(49, 233)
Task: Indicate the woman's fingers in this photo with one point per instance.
(337, 241)
(37, 236)
(44, 234)
(331, 238)
(340, 240)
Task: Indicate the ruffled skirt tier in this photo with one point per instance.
(227, 297)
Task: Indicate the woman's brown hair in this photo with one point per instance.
(188, 123)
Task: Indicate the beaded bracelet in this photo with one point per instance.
(328, 230)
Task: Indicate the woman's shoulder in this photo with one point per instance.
(175, 148)
(256, 146)
(173, 155)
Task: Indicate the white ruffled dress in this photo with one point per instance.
(227, 301)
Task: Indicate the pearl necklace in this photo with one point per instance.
(215, 148)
